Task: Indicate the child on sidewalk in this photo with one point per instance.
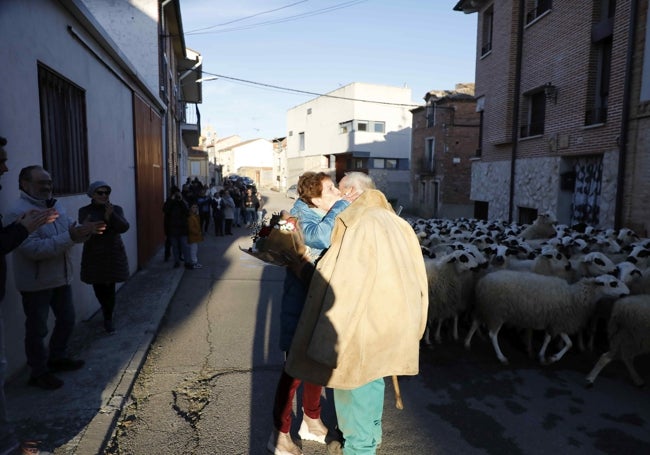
(194, 236)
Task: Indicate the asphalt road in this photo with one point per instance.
(208, 383)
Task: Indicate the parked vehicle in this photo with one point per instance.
(292, 192)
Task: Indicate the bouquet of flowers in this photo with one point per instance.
(277, 241)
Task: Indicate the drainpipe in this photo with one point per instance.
(625, 117)
(515, 107)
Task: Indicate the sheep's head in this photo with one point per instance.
(627, 272)
(557, 259)
(611, 286)
(638, 252)
(598, 264)
(464, 260)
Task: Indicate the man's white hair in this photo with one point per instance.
(359, 181)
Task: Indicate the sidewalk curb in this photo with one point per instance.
(98, 433)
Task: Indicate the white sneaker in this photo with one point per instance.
(312, 429)
(282, 444)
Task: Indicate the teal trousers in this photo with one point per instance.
(359, 413)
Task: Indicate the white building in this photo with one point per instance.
(361, 127)
(252, 158)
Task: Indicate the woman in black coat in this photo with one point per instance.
(103, 260)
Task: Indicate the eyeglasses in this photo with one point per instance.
(103, 193)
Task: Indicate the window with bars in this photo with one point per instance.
(63, 132)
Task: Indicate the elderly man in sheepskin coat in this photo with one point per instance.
(364, 315)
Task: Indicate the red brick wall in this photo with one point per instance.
(557, 48)
(456, 137)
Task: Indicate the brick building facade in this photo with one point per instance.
(445, 137)
(551, 82)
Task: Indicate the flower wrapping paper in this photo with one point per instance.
(278, 242)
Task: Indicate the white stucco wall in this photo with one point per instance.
(319, 120)
(128, 22)
(109, 126)
(321, 126)
(257, 153)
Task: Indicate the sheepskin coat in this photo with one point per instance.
(103, 259)
(367, 302)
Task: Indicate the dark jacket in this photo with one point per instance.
(10, 237)
(176, 212)
(103, 259)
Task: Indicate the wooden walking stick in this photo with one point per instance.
(398, 395)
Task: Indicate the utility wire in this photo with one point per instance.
(245, 17)
(304, 92)
(285, 19)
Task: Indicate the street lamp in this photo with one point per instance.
(204, 79)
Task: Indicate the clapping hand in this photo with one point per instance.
(34, 219)
(83, 231)
(109, 211)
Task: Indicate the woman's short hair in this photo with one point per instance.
(310, 185)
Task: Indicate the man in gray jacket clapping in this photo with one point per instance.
(43, 273)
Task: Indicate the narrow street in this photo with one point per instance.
(208, 383)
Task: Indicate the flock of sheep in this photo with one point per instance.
(540, 277)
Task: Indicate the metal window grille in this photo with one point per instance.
(63, 132)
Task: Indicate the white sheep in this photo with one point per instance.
(592, 264)
(447, 296)
(629, 274)
(629, 335)
(542, 228)
(532, 301)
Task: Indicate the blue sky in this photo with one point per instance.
(422, 44)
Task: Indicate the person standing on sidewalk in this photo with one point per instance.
(251, 204)
(103, 260)
(43, 272)
(11, 236)
(364, 315)
(204, 209)
(218, 213)
(235, 193)
(228, 211)
(194, 237)
(176, 212)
